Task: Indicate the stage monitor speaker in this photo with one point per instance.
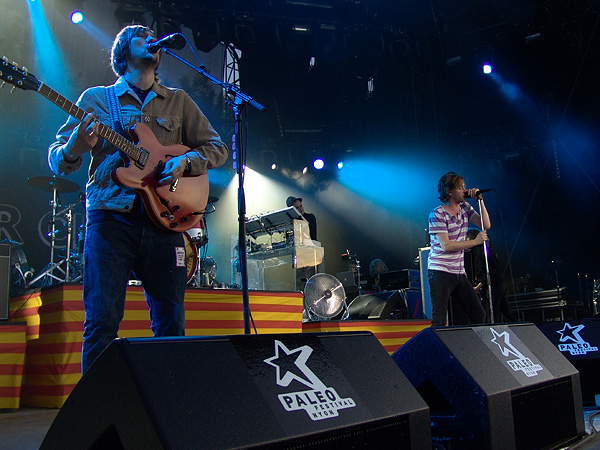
(379, 305)
(494, 387)
(306, 390)
(4, 280)
(579, 342)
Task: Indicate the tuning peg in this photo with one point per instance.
(13, 89)
(2, 85)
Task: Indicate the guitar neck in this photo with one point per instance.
(126, 146)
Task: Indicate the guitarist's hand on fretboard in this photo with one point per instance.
(83, 138)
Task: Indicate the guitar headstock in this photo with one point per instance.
(19, 77)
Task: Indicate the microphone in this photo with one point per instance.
(175, 41)
(481, 191)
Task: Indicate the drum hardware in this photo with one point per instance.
(58, 185)
(208, 270)
(198, 238)
(202, 270)
(20, 270)
(21, 280)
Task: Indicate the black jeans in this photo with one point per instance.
(442, 286)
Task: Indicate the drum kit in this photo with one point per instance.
(201, 269)
(67, 269)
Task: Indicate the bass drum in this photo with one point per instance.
(191, 256)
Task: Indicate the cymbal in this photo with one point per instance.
(212, 199)
(48, 184)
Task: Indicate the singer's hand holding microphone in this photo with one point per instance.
(475, 193)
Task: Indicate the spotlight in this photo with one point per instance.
(340, 164)
(76, 17)
(318, 164)
(269, 159)
(301, 29)
(305, 170)
(487, 68)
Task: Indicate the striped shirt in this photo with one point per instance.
(441, 221)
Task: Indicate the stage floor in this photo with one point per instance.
(25, 428)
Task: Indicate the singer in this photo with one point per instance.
(121, 235)
(448, 224)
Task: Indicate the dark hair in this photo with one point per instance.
(121, 48)
(472, 233)
(376, 267)
(447, 183)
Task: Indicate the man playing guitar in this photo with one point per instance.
(131, 220)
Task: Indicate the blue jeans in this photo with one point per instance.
(115, 246)
(442, 286)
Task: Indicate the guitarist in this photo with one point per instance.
(120, 235)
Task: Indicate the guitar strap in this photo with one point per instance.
(114, 109)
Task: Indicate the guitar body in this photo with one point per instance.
(173, 209)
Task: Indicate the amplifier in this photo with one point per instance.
(400, 279)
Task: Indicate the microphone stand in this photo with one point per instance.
(238, 103)
(486, 254)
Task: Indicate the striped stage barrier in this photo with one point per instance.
(54, 324)
(392, 334)
(54, 318)
(12, 363)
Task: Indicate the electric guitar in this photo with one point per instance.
(176, 207)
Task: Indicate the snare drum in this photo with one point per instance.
(199, 235)
(191, 256)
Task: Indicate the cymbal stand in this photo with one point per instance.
(198, 279)
(52, 266)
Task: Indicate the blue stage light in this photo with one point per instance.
(487, 68)
(340, 164)
(318, 164)
(76, 17)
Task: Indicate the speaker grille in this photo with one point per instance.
(535, 412)
(394, 433)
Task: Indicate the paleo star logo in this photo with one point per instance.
(319, 401)
(521, 363)
(573, 342)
